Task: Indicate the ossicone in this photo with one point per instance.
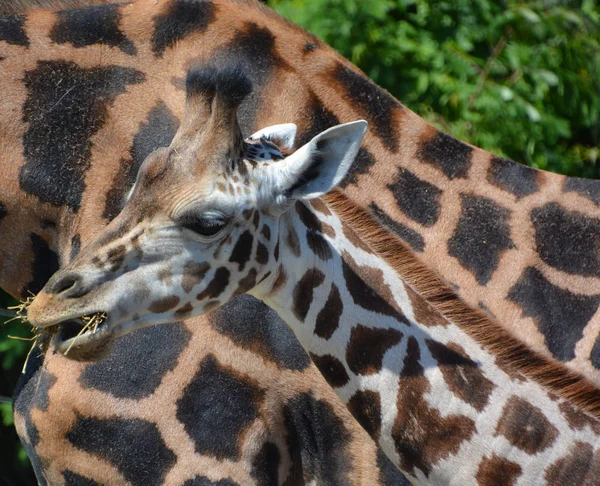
(230, 83)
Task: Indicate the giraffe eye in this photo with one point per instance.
(205, 224)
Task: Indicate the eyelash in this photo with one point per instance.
(203, 225)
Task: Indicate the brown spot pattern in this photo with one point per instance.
(217, 285)
(367, 346)
(578, 419)
(365, 406)
(314, 229)
(354, 239)
(262, 254)
(164, 305)
(193, 273)
(293, 242)
(525, 426)
(448, 154)
(497, 471)
(327, 230)
(462, 375)
(416, 198)
(580, 467)
(332, 369)
(320, 206)
(513, 177)
(369, 290)
(246, 283)
(116, 257)
(280, 281)
(266, 232)
(224, 243)
(242, 250)
(165, 276)
(303, 293)
(481, 236)
(423, 312)
(185, 311)
(328, 319)
(422, 436)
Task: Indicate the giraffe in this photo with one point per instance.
(462, 190)
(493, 228)
(436, 383)
(69, 414)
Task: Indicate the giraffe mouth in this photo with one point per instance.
(86, 338)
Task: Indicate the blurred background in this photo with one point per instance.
(518, 78)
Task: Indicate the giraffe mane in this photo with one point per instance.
(508, 350)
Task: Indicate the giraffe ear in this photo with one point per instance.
(321, 164)
(281, 135)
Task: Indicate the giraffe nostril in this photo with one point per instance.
(70, 285)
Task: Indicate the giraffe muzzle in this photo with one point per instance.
(78, 333)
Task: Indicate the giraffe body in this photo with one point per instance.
(126, 102)
(223, 217)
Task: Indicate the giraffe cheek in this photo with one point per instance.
(217, 285)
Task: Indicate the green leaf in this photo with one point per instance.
(532, 113)
(7, 415)
(529, 15)
(548, 76)
(506, 93)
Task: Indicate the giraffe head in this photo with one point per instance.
(201, 222)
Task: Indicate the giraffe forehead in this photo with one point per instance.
(169, 189)
(173, 185)
(199, 168)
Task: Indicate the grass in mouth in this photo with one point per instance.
(89, 323)
(42, 336)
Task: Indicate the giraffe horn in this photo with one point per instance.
(212, 101)
(233, 86)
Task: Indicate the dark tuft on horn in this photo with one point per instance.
(233, 84)
(202, 81)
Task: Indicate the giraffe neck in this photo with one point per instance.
(440, 404)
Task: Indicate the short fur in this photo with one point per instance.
(510, 352)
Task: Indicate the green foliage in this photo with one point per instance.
(13, 460)
(521, 79)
